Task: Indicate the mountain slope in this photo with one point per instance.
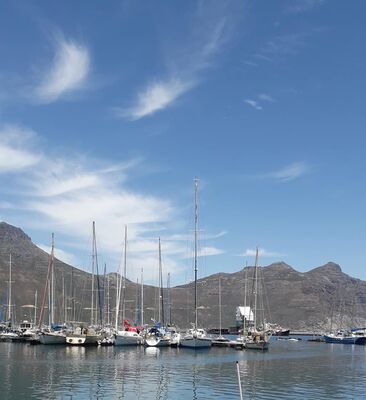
(298, 300)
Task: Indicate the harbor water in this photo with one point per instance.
(289, 370)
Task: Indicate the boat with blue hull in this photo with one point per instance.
(356, 336)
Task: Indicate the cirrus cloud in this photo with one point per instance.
(68, 72)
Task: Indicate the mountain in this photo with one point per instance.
(299, 300)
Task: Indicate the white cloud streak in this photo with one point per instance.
(254, 104)
(60, 254)
(67, 73)
(300, 6)
(64, 195)
(186, 68)
(290, 172)
(265, 97)
(262, 253)
(156, 97)
(13, 155)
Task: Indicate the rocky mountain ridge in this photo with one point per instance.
(317, 299)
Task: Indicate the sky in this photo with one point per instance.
(108, 113)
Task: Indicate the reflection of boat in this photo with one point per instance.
(258, 338)
(196, 338)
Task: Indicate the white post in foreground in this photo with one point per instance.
(239, 380)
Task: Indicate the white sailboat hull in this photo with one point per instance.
(196, 343)
(261, 345)
(154, 341)
(52, 338)
(127, 339)
(83, 340)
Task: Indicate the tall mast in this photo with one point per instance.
(220, 302)
(105, 310)
(137, 305)
(52, 314)
(119, 281)
(10, 315)
(63, 299)
(169, 300)
(255, 288)
(45, 292)
(98, 300)
(92, 284)
(35, 308)
(195, 249)
(124, 279)
(245, 295)
(108, 302)
(142, 297)
(161, 289)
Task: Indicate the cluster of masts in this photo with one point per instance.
(158, 335)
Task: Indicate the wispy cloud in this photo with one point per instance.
(265, 97)
(155, 97)
(68, 72)
(300, 6)
(13, 155)
(64, 194)
(257, 104)
(185, 65)
(262, 253)
(254, 104)
(60, 254)
(290, 172)
(210, 251)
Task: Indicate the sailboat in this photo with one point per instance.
(50, 336)
(220, 341)
(258, 338)
(83, 336)
(196, 338)
(156, 336)
(128, 336)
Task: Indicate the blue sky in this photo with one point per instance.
(108, 113)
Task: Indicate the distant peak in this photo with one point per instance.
(280, 266)
(329, 267)
(10, 233)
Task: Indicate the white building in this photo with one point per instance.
(244, 313)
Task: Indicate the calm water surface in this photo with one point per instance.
(289, 370)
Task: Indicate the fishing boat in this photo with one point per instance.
(356, 336)
(196, 338)
(258, 338)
